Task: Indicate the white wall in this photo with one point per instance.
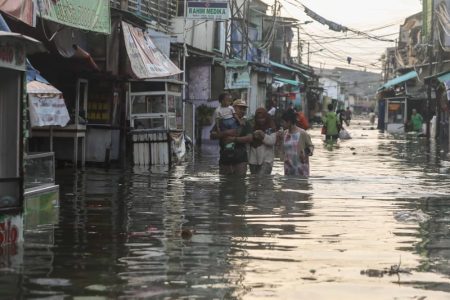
(201, 35)
(331, 87)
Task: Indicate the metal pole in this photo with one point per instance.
(308, 53)
(184, 65)
(299, 47)
(430, 72)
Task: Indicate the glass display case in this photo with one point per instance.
(39, 170)
(155, 109)
(155, 105)
(395, 114)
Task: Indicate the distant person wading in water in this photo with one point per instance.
(416, 121)
(296, 146)
(332, 124)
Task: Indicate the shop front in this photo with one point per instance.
(396, 100)
(156, 121)
(154, 100)
(13, 50)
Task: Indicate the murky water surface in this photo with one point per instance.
(372, 222)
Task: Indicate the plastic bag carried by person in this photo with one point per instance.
(344, 135)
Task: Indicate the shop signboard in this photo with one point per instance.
(237, 78)
(207, 10)
(12, 55)
(92, 15)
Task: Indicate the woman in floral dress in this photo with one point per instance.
(297, 146)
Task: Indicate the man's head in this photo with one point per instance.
(330, 107)
(414, 111)
(240, 107)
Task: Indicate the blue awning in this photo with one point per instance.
(287, 81)
(444, 78)
(399, 79)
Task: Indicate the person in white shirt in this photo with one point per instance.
(226, 117)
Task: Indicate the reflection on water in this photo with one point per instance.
(120, 232)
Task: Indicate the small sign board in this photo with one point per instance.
(207, 10)
(12, 55)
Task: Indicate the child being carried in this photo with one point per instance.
(226, 118)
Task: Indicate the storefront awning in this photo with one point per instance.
(287, 81)
(146, 60)
(399, 79)
(444, 78)
(287, 68)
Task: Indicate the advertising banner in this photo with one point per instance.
(237, 78)
(93, 15)
(47, 111)
(146, 60)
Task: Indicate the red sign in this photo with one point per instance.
(8, 233)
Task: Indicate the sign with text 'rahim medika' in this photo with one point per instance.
(207, 10)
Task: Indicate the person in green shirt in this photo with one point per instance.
(331, 122)
(416, 120)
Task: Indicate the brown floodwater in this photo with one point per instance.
(372, 222)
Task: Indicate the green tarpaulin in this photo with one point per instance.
(92, 15)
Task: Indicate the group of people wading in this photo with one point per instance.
(246, 144)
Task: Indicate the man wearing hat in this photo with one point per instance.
(234, 161)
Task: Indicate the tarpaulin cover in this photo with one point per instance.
(22, 10)
(146, 60)
(92, 15)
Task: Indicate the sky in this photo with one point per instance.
(381, 17)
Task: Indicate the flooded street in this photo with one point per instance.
(372, 222)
